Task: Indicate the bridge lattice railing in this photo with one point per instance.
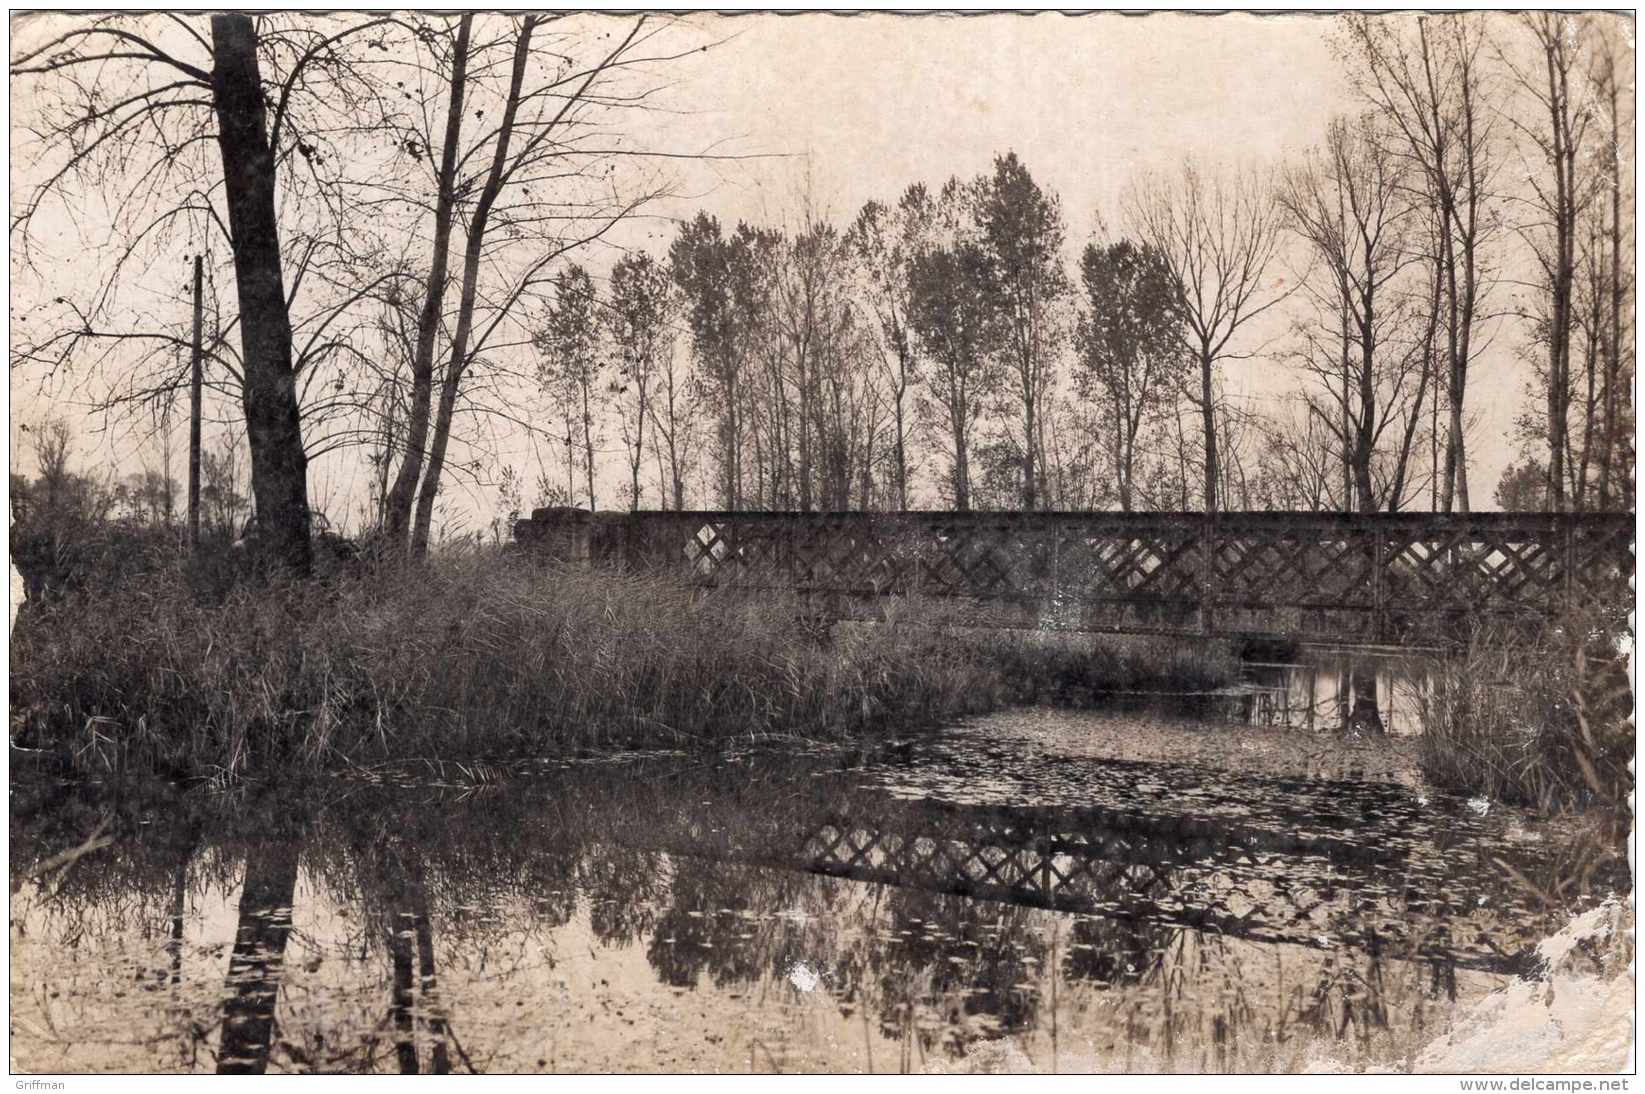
(1391, 578)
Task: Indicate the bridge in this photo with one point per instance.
(1395, 579)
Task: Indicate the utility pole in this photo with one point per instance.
(194, 422)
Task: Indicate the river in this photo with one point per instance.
(1132, 889)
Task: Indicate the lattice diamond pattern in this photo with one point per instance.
(1368, 575)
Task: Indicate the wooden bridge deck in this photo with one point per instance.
(1405, 579)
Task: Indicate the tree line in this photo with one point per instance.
(409, 205)
(941, 337)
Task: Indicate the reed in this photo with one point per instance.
(1541, 717)
(480, 654)
(1536, 717)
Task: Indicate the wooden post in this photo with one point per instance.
(194, 419)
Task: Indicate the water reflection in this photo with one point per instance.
(255, 967)
(1332, 692)
(798, 912)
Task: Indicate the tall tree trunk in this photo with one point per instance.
(458, 361)
(731, 441)
(962, 464)
(388, 455)
(279, 466)
(1030, 485)
(1562, 146)
(903, 368)
(1593, 357)
(1613, 364)
(639, 450)
(1343, 427)
(588, 442)
(1468, 230)
(1453, 367)
(1364, 447)
(808, 414)
(659, 455)
(397, 517)
(1209, 423)
(1124, 440)
(1396, 491)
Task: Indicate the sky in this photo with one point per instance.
(876, 102)
(848, 108)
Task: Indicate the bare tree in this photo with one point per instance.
(130, 104)
(821, 397)
(1130, 343)
(674, 427)
(1021, 226)
(885, 242)
(1078, 454)
(713, 274)
(397, 500)
(1557, 140)
(1349, 202)
(1296, 467)
(52, 444)
(1611, 61)
(572, 366)
(954, 313)
(639, 324)
(1426, 76)
(223, 507)
(544, 139)
(1218, 235)
(803, 321)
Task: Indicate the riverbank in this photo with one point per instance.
(481, 655)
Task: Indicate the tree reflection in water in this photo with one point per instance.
(437, 913)
(256, 965)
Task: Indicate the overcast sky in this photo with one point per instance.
(864, 105)
(880, 101)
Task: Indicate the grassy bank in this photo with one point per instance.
(1535, 717)
(1540, 717)
(479, 654)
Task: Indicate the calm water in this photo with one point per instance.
(1036, 890)
(1323, 693)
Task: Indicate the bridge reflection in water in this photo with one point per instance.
(1298, 888)
(423, 927)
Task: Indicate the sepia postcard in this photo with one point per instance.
(580, 543)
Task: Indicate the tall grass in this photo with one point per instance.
(1535, 717)
(1540, 717)
(480, 654)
